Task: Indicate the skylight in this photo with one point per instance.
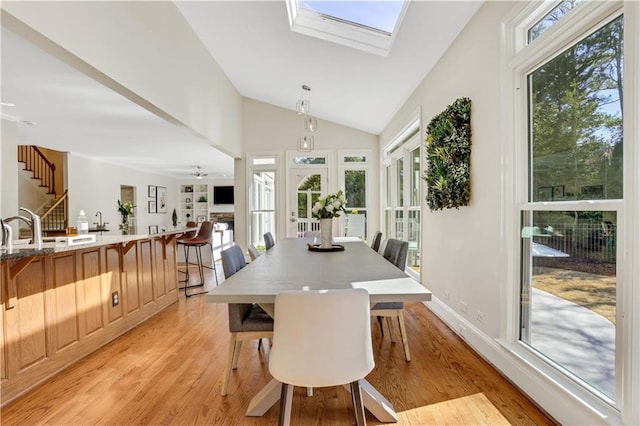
(366, 25)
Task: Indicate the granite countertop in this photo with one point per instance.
(21, 249)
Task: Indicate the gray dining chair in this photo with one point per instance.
(247, 321)
(268, 240)
(321, 338)
(375, 242)
(253, 252)
(395, 251)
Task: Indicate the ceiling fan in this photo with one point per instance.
(199, 173)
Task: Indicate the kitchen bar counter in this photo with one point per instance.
(21, 249)
(60, 302)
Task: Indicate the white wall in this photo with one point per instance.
(267, 128)
(145, 51)
(470, 235)
(9, 170)
(95, 186)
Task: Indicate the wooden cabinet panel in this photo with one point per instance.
(57, 308)
(130, 279)
(64, 312)
(27, 335)
(92, 297)
(171, 271)
(145, 271)
(4, 279)
(159, 289)
(112, 282)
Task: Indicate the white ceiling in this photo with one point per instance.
(253, 44)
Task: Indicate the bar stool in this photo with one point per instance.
(180, 240)
(202, 238)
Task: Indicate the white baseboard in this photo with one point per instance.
(564, 406)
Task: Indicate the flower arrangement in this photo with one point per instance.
(125, 211)
(329, 206)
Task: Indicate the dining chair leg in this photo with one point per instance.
(286, 399)
(358, 405)
(236, 354)
(390, 328)
(232, 350)
(403, 335)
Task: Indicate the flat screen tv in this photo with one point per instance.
(223, 195)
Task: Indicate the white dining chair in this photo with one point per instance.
(321, 338)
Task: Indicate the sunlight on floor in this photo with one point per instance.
(469, 410)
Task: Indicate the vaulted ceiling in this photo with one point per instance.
(248, 39)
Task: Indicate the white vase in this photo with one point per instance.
(326, 230)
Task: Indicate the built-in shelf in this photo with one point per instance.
(194, 203)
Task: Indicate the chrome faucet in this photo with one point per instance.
(6, 234)
(99, 224)
(34, 224)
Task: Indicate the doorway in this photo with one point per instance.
(128, 193)
(307, 185)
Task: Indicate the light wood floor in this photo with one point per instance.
(170, 371)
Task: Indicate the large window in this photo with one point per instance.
(262, 199)
(354, 180)
(403, 198)
(571, 198)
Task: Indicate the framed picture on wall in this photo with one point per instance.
(152, 191)
(161, 199)
(152, 207)
(153, 229)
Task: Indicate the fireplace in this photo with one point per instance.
(223, 217)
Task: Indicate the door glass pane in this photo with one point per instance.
(399, 225)
(389, 192)
(309, 160)
(415, 177)
(413, 255)
(355, 188)
(576, 120)
(308, 192)
(400, 193)
(302, 205)
(568, 310)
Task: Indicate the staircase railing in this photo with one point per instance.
(55, 218)
(43, 169)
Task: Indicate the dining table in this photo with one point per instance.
(293, 264)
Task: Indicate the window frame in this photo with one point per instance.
(365, 166)
(518, 60)
(400, 147)
(275, 167)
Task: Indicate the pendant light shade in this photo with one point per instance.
(310, 124)
(305, 143)
(303, 107)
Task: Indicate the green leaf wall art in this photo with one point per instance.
(448, 148)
